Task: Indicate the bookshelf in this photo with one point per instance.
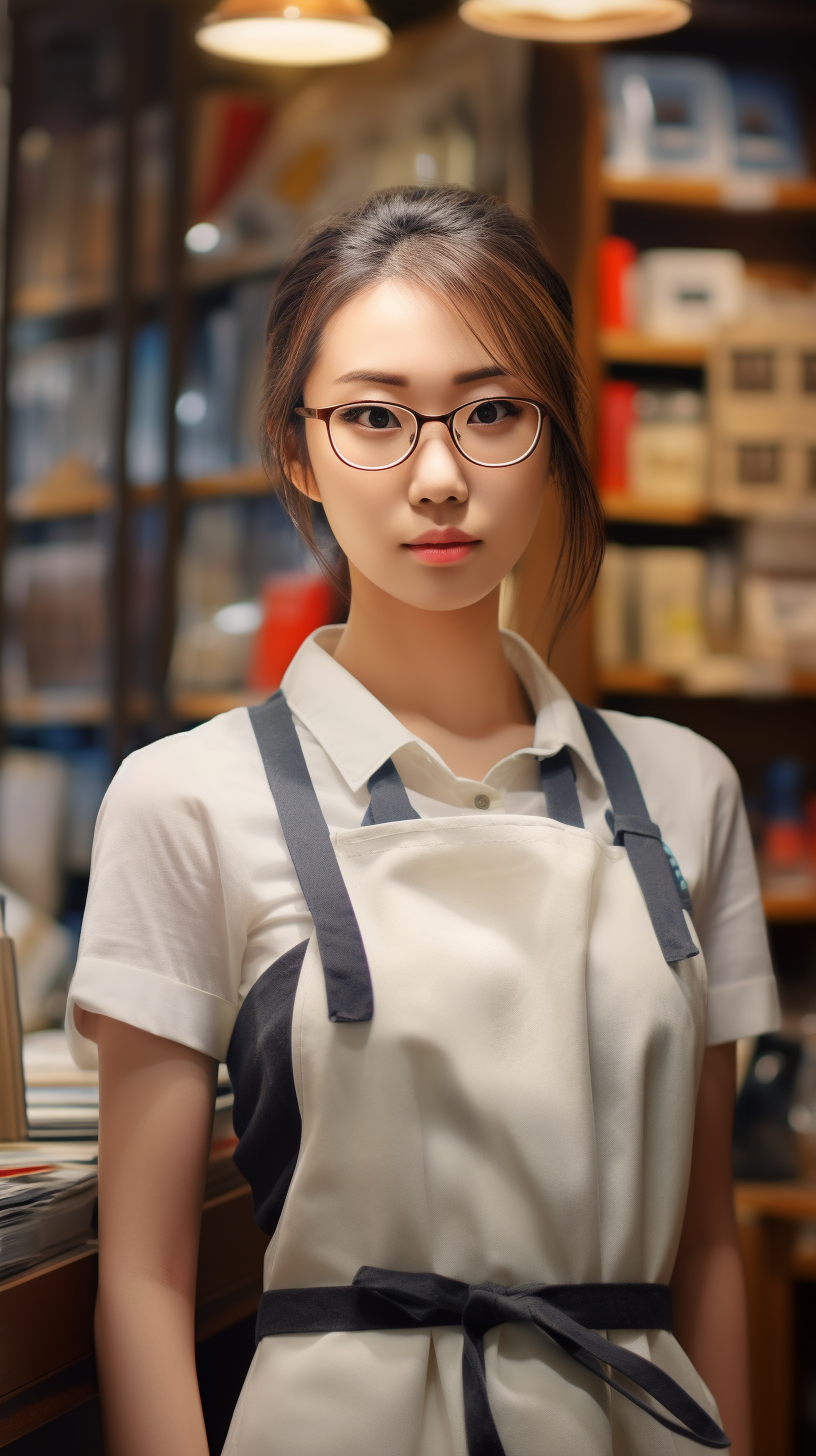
(789, 909)
(241, 481)
(196, 707)
(623, 346)
(69, 706)
(773, 225)
(95, 209)
(773, 196)
(639, 509)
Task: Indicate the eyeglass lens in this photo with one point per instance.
(490, 432)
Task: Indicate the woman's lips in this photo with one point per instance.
(442, 548)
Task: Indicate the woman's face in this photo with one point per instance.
(436, 532)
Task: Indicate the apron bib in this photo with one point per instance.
(465, 1106)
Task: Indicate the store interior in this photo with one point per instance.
(151, 579)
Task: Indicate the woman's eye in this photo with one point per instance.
(372, 417)
(492, 412)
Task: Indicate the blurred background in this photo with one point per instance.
(150, 579)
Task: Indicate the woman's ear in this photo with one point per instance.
(300, 471)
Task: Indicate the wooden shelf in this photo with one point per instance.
(71, 488)
(782, 909)
(243, 480)
(197, 707)
(789, 1201)
(637, 679)
(663, 513)
(57, 706)
(740, 194)
(46, 1314)
(626, 346)
(56, 300)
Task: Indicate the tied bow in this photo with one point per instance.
(557, 1310)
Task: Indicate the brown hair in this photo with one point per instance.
(485, 259)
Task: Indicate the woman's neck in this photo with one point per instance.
(443, 674)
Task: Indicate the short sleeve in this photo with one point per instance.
(164, 930)
(729, 916)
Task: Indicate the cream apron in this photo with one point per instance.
(465, 1106)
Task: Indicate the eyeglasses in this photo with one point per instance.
(373, 435)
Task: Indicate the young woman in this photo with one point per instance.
(482, 1045)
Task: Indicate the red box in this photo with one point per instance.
(616, 419)
(294, 604)
(615, 259)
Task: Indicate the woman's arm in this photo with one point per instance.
(155, 1123)
(708, 1287)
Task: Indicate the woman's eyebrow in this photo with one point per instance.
(371, 376)
(470, 376)
(378, 376)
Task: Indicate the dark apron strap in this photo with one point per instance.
(345, 965)
(641, 839)
(389, 801)
(558, 785)
(571, 1314)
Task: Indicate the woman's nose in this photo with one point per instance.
(436, 475)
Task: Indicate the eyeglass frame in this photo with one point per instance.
(307, 412)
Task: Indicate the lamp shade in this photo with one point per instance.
(309, 33)
(575, 20)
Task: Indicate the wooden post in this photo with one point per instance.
(767, 1245)
(569, 211)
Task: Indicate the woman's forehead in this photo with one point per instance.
(400, 329)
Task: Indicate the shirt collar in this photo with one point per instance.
(359, 734)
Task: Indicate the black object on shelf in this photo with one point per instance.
(764, 1147)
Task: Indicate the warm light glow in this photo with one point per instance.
(296, 39)
(575, 20)
(202, 237)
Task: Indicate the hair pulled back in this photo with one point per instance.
(485, 260)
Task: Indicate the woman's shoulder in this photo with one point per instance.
(673, 754)
(213, 763)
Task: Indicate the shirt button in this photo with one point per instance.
(482, 801)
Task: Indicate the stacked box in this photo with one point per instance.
(762, 381)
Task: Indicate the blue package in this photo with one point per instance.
(769, 135)
(667, 114)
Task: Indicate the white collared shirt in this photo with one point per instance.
(193, 894)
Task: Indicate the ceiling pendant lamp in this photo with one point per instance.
(575, 20)
(310, 33)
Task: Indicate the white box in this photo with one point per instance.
(762, 383)
(667, 461)
(779, 619)
(613, 613)
(671, 597)
(689, 292)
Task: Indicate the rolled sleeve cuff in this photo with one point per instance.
(152, 1002)
(742, 1008)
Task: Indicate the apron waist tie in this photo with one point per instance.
(571, 1314)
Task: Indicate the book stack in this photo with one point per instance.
(62, 1100)
(46, 1207)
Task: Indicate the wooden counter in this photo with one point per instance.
(778, 1250)
(46, 1314)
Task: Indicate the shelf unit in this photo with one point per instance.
(789, 909)
(625, 346)
(242, 481)
(577, 203)
(751, 194)
(109, 68)
(195, 707)
(641, 510)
